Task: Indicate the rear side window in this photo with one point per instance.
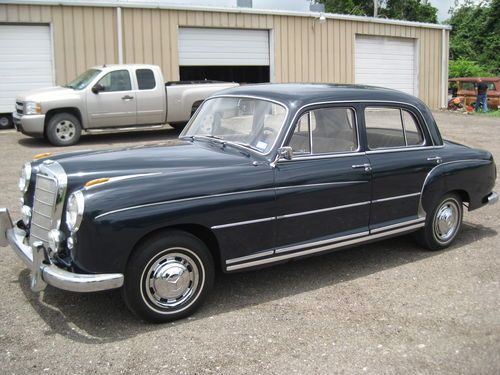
(391, 128)
(324, 131)
(145, 79)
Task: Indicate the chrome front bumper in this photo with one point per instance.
(43, 272)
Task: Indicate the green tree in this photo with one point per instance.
(410, 10)
(475, 34)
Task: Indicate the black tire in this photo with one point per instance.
(178, 125)
(63, 129)
(168, 255)
(6, 121)
(443, 224)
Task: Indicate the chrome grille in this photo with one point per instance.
(19, 108)
(44, 204)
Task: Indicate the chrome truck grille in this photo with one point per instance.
(50, 188)
(20, 108)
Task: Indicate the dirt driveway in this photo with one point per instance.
(388, 307)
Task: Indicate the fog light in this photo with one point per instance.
(26, 215)
(54, 240)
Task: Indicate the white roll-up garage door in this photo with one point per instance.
(387, 62)
(25, 61)
(223, 47)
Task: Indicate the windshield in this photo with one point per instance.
(251, 123)
(83, 79)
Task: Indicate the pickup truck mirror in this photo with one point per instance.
(97, 88)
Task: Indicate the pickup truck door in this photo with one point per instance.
(115, 104)
(151, 97)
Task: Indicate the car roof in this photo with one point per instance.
(299, 94)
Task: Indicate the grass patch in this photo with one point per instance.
(489, 113)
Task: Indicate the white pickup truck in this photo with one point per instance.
(110, 98)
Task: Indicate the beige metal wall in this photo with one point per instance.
(305, 50)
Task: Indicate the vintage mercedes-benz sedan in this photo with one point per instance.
(264, 174)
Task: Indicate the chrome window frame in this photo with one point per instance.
(400, 109)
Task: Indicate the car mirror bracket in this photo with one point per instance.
(285, 153)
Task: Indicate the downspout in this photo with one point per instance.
(119, 34)
(444, 70)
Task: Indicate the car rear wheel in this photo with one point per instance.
(63, 129)
(5, 121)
(443, 224)
(168, 277)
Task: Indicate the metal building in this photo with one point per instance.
(51, 43)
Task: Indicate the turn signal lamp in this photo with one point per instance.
(96, 182)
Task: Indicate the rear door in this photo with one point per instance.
(151, 98)
(116, 104)
(401, 155)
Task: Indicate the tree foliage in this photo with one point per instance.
(410, 10)
(475, 36)
(466, 68)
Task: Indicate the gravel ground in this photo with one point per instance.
(387, 307)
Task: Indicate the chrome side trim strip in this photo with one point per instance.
(248, 257)
(322, 210)
(396, 197)
(323, 248)
(244, 222)
(322, 242)
(398, 225)
(321, 184)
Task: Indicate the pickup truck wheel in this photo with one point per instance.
(443, 224)
(63, 129)
(5, 121)
(168, 277)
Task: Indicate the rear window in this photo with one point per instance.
(145, 79)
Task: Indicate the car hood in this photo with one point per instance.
(159, 159)
(46, 94)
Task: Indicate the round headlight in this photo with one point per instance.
(24, 180)
(74, 210)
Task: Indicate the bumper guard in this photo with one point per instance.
(43, 272)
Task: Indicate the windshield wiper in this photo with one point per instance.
(246, 145)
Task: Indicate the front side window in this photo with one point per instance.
(252, 123)
(324, 131)
(391, 128)
(119, 80)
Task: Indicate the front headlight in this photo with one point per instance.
(74, 211)
(24, 180)
(32, 108)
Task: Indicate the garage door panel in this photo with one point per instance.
(223, 47)
(25, 62)
(387, 62)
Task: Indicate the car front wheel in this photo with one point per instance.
(443, 224)
(63, 129)
(168, 277)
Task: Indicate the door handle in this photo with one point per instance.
(437, 159)
(127, 97)
(367, 167)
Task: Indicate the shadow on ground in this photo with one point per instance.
(103, 317)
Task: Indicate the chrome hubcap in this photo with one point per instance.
(4, 121)
(65, 130)
(446, 221)
(171, 280)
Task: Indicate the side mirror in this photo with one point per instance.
(97, 88)
(283, 153)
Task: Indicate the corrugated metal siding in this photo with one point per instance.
(305, 50)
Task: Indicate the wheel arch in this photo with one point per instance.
(71, 110)
(199, 231)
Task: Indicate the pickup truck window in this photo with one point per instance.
(119, 80)
(83, 80)
(145, 79)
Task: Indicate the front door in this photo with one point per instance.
(115, 105)
(323, 192)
